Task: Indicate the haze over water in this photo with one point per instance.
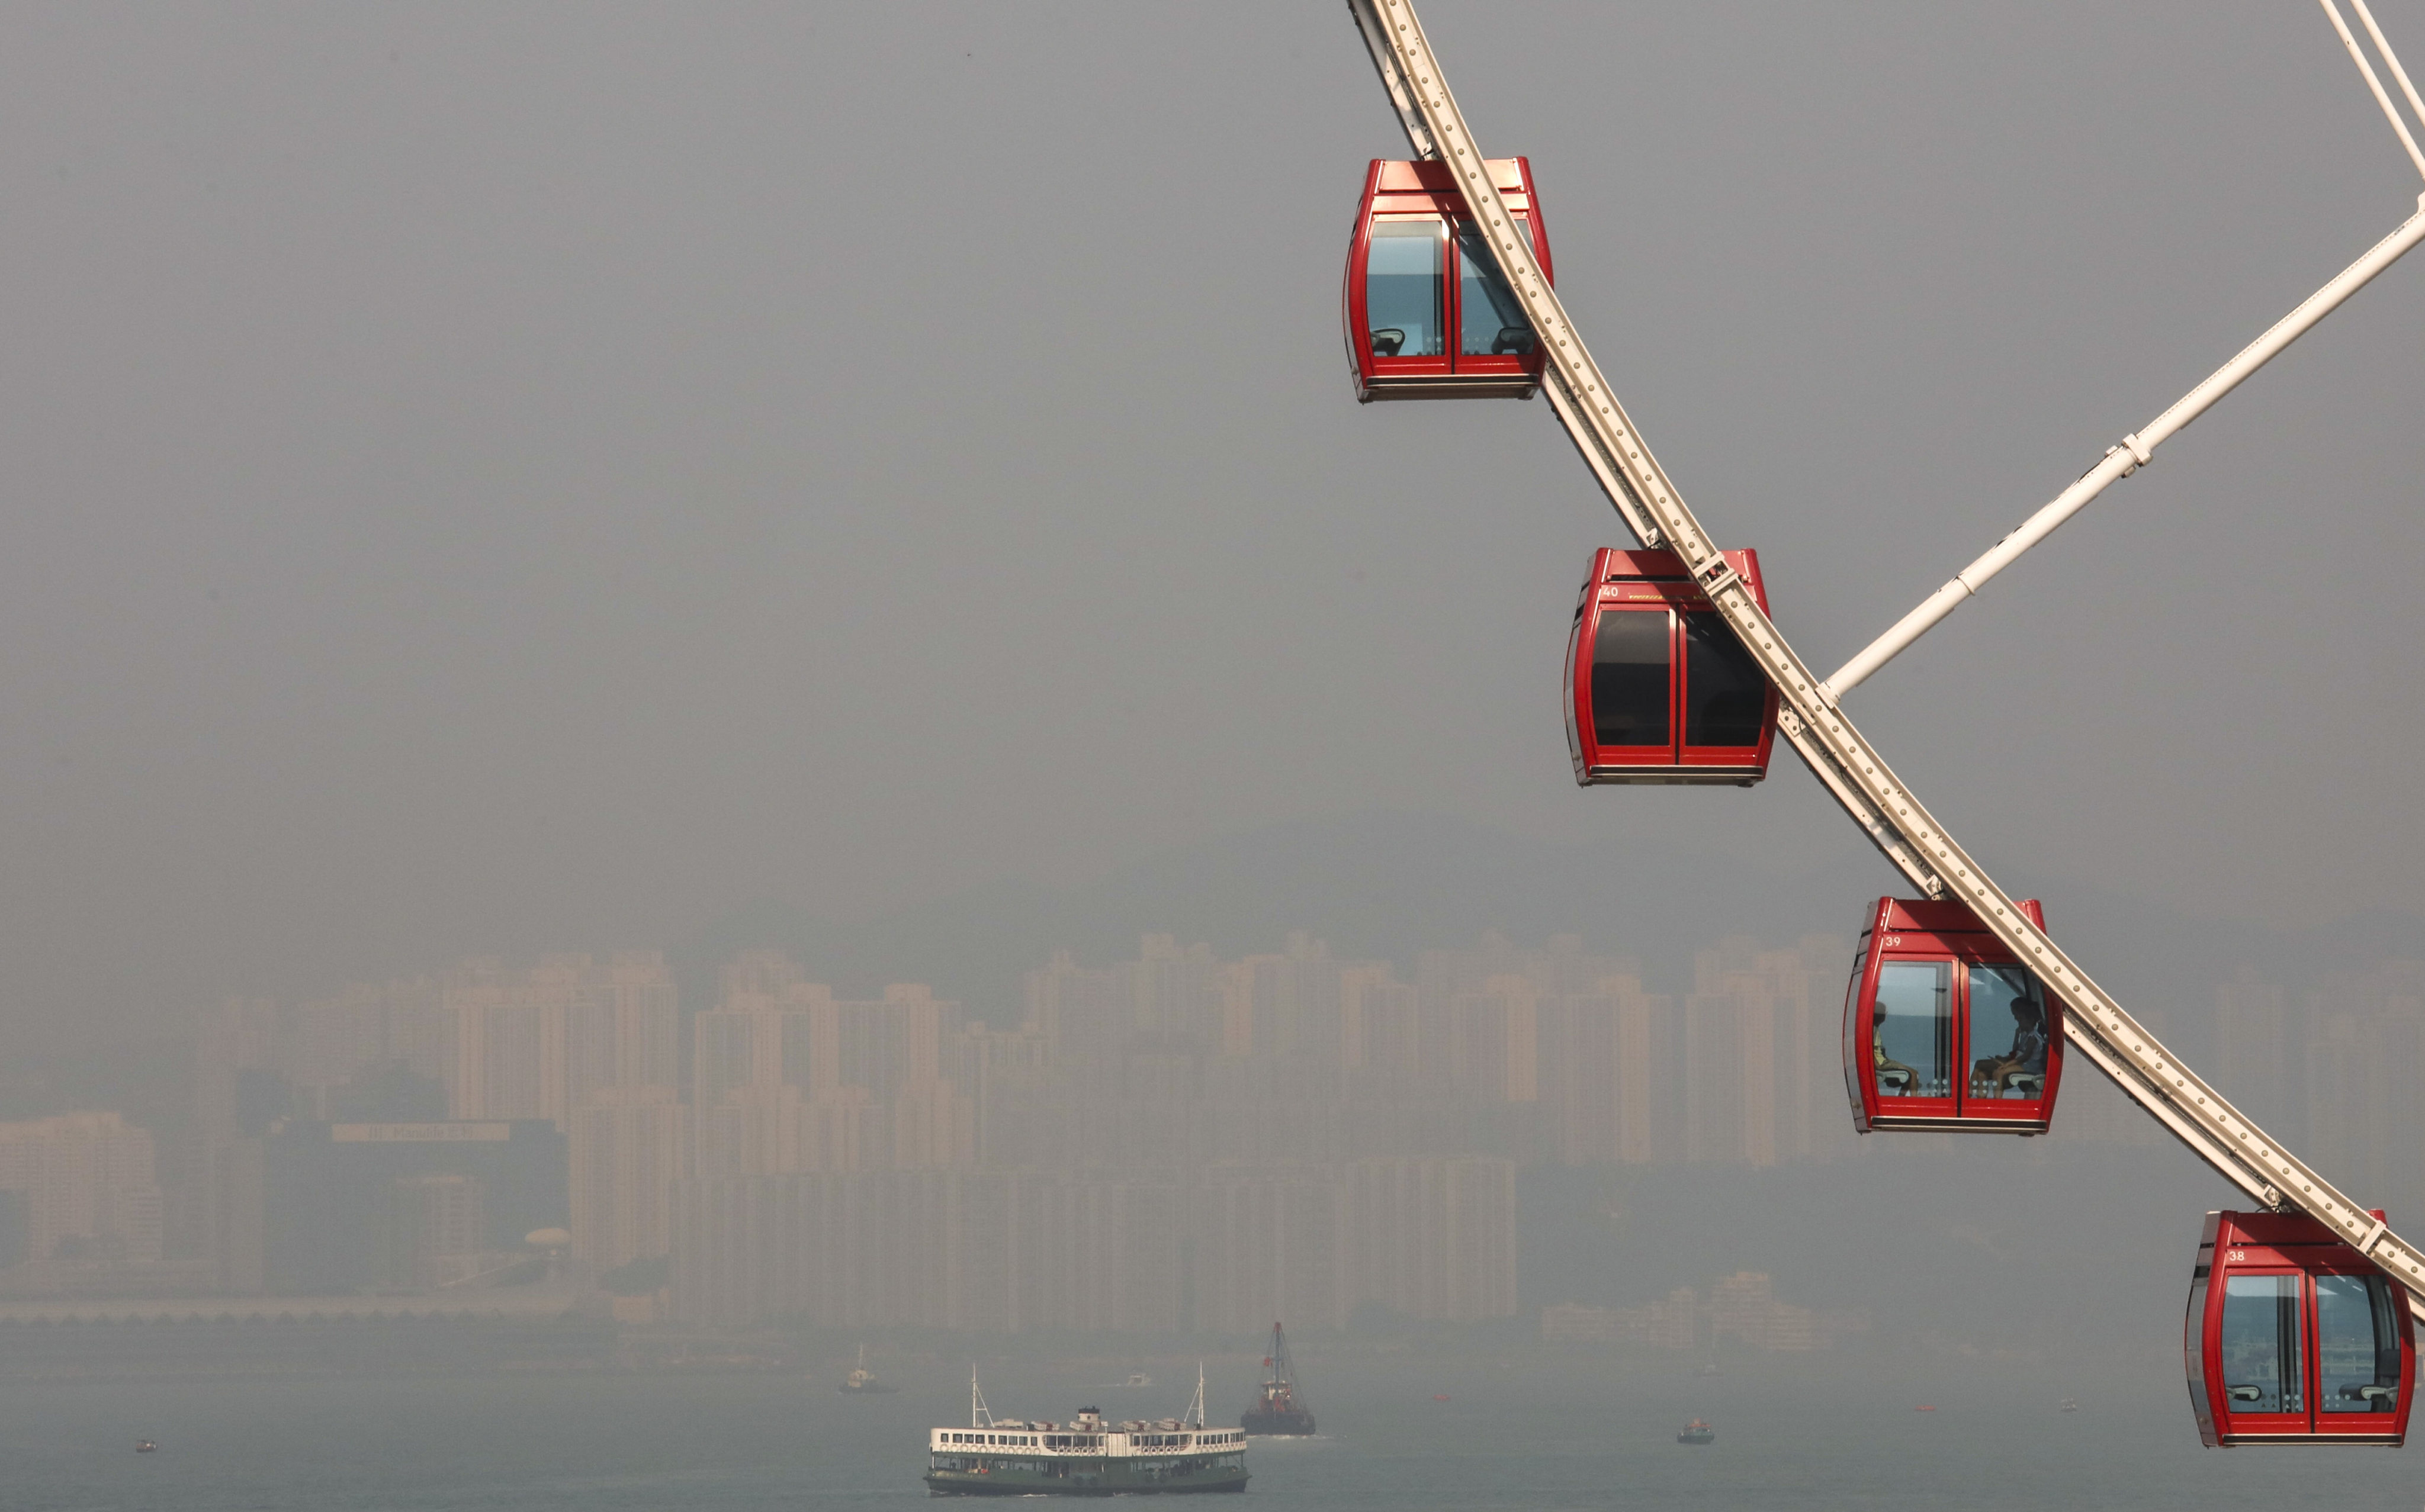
(879, 482)
(1520, 1430)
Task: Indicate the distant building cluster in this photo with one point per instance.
(77, 1192)
(1220, 1252)
(1741, 1309)
(1175, 1141)
(1552, 1055)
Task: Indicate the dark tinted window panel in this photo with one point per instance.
(1630, 658)
(1726, 697)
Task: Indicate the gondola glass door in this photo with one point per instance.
(2262, 1344)
(1726, 707)
(1632, 686)
(1406, 295)
(2357, 1322)
(1493, 334)
(1911, 1038)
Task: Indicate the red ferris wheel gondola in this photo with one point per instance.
(1944, 1029)
(2293, 1338)
(1657, 689)
(1427, 314)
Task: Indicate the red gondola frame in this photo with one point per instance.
(1633, 582)
(2253, 1244)
(1913, 931)
(1398, 190)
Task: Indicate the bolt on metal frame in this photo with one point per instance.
(1844, 761)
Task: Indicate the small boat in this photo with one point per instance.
(1137, 1377)
(1923, 1409)
(863, 1381)
(145, 1446)
(1439, 1396)
(2069, 1404)
(1278, 1410)
(1697, 1431)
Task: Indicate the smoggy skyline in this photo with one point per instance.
(515, 480)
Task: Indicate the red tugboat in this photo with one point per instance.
(1277, 1410)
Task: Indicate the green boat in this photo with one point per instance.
(1089, 1456)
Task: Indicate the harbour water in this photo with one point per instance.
(1526, 1430)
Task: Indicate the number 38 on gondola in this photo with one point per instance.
(2292, 1337)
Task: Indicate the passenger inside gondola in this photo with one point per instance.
(2021, 1070)
(1893, 1075)
(1912, 1029)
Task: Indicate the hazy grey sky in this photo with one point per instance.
(490, 477)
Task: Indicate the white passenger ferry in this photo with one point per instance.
(1089, 1456)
